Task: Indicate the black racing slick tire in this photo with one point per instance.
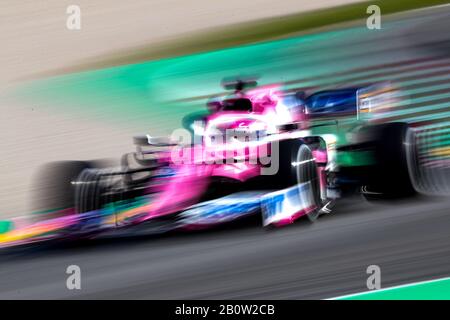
(90, 190)
(396, 163)
(54, 188)
(296, 166)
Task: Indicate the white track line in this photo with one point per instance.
(389, 288)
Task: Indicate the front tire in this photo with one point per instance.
(396, 166)
(296, 166)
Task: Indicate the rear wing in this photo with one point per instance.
(376, 98)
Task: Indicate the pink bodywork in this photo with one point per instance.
(191, 178)
(189, 181)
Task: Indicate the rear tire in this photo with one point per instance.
(53, 188)
(91, 192)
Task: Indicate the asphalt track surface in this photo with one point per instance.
(408, 240)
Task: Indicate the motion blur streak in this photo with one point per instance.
(408, 240)
(410, 51)
(323, 260)
(96, 111)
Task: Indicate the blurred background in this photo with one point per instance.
(141, 66)
(74, 124)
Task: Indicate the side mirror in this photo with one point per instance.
(147, 140)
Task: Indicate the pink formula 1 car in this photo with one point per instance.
(252, 155)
